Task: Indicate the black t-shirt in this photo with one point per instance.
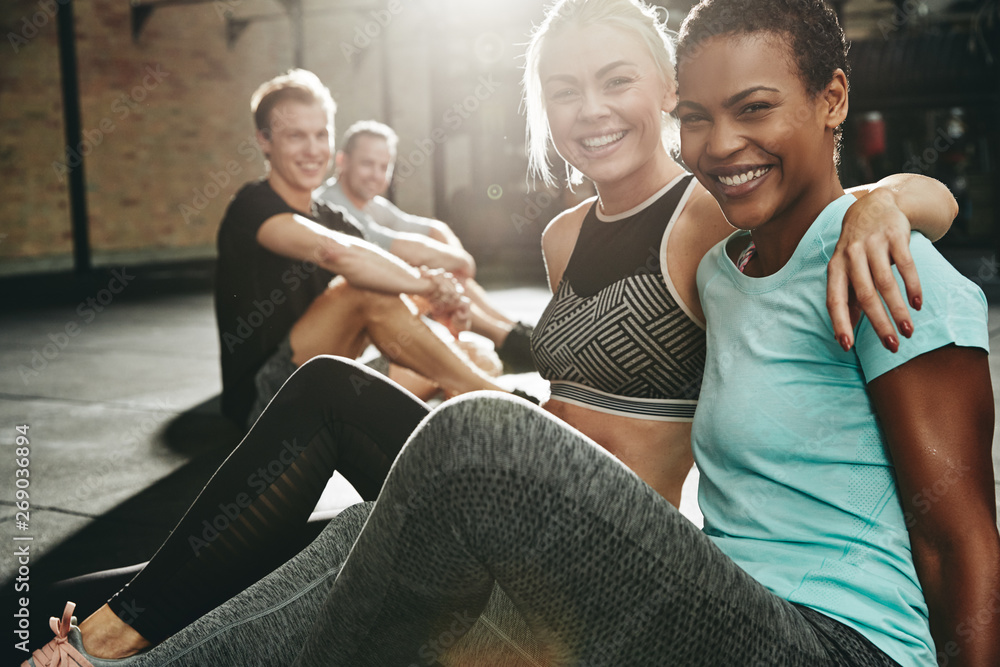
(259, 295)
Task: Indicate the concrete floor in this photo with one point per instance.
(123, 424)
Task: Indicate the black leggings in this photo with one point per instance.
(251, 516)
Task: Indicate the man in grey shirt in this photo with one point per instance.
(364, 170)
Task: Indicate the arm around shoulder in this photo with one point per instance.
(926, 203)
(876, 235)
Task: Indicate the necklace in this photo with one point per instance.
(745, 257)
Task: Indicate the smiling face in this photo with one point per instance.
(365, 172)
(603, 99)
(753, 135)
(298, 150)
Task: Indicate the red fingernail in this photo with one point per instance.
(906, 328)
(917, 302)
(845, 342)
(891, 343)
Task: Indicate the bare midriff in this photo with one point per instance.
(657, 451)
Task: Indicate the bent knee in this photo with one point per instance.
(325, 378)
(325, 366)
(484, 428)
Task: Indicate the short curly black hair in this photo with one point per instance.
(817, 41)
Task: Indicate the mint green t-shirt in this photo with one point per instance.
(796, 482)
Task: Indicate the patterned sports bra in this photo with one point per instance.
(615, 337)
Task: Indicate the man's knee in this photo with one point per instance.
(325, 369)
(370, 305)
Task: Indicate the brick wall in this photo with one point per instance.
(34, 205)
(168, 136)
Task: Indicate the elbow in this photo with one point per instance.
(952, 206)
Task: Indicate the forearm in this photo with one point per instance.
(366, 267)
(964, 601)
(926, 202)
(420, 251)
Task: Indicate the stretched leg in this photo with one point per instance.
(477, 295)
(604, 570)
(332, 414)
(342, 319)
(267, 623)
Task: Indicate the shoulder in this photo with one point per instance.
(381, 202)
(329, 192)
(380, 206)
(251, 206)
(700, 225)
(337, 218)
(559, 239)
(711, 263)
(256, 192)
(566, 226)
(954, 312)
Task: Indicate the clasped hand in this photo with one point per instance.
(447, 301)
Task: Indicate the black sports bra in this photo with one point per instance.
(615, 337)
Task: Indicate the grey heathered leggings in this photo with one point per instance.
(492, 492)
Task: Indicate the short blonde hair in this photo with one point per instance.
(633, 16)
(296, 84)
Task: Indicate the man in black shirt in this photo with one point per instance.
(296, 279)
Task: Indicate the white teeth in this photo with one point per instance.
(740, 179)
(598, 142)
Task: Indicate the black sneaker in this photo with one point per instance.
(526, 396)
(515, 353)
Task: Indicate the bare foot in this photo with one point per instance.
(107, 636)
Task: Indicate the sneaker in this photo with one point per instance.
(515, 353)
(65, 649)
(520, 393)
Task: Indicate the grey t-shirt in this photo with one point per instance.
(381, 220)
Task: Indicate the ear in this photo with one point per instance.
(669, 101)
(835, 98)
(264, 142)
